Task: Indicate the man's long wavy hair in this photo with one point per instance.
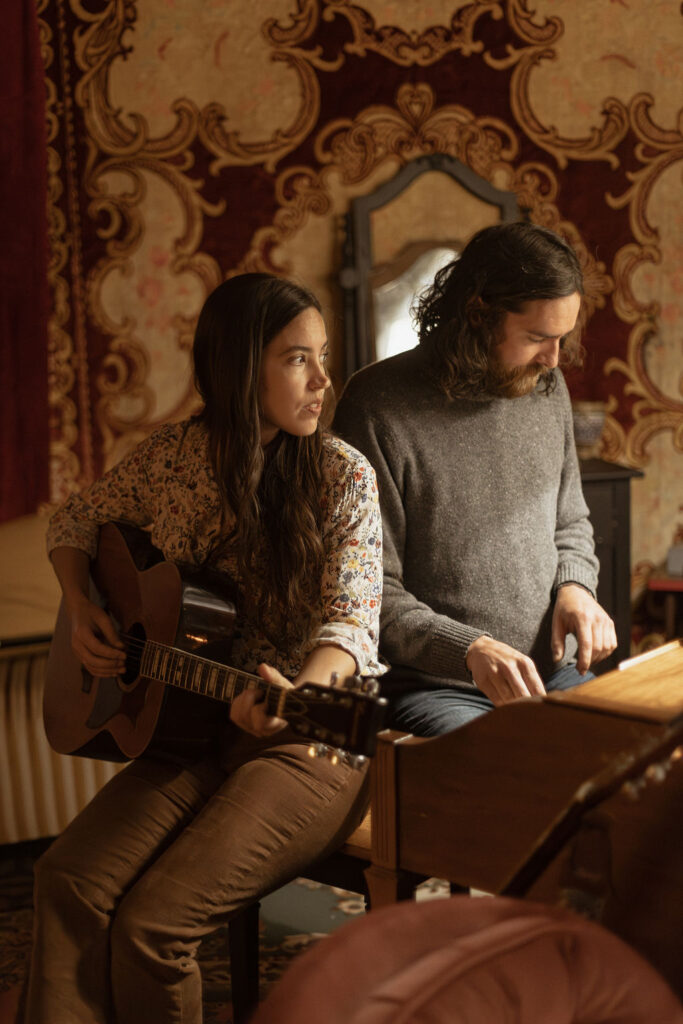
(274, 497)
(460, 316)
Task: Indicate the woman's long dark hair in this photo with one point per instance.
(500, 269)
(276, 498)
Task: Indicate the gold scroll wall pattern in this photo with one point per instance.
(126, 164)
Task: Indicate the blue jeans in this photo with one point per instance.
(433, 712)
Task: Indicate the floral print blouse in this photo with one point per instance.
(167, 482)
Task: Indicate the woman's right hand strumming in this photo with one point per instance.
(94, 639)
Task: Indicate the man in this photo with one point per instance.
(490, 573)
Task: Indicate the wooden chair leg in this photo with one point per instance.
(243, 942)
(386, 885)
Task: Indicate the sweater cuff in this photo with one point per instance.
(575, 572)
(450, 644)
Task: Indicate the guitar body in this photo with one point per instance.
(119, 718)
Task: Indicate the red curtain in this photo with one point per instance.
(23, 266)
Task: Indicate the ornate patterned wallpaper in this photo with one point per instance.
(189, 142)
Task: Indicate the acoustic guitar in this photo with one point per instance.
(176, 626)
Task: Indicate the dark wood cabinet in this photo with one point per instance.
(607, 490)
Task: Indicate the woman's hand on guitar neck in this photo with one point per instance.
(248, 711)
(323, 665)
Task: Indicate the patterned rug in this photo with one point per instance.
(291, 920)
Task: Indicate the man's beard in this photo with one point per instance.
(505, 382)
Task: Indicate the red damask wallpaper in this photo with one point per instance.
(187, 142)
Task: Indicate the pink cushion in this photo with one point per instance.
(471, 961)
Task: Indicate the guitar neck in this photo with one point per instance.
(174, 667)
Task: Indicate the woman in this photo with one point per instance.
(253, 488)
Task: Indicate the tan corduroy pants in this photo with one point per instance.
(161, 857)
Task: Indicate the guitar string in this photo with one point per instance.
(137, 645)
(272, 691)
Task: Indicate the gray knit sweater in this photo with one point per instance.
(483, 516)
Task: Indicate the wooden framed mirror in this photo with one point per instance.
(397, 237)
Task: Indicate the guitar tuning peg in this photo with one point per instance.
(354, 683)
(356, 760)
(632, 788)
(361, 684)
(317, 750)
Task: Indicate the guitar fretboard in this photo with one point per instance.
(189, 672)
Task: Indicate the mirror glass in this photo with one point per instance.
(393, 298)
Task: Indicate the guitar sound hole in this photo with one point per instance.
(135, 640)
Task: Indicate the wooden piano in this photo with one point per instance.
(575, 798)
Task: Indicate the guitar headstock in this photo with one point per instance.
(344, 716)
